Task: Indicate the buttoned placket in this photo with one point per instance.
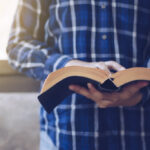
(103, 7)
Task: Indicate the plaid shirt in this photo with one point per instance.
(44, 37)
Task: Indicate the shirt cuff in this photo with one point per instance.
(56, 61)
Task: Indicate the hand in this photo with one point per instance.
(129, 96)
(107, 65)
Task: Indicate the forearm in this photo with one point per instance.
(35, 60)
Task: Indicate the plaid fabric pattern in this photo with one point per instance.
(47, 34)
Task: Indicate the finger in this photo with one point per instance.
(132, 101)
(100, 96)
(80, 90)
(114, 65)
(135, 87)
(103, 66)
(132, 89)
(105, 104)
(95, 94)
(83, 91)
(91, 88)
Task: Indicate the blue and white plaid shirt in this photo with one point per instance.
(46, 34)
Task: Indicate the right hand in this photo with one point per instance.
(129, 96)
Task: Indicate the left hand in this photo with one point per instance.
(130, 95)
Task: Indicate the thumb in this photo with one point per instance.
(114, 65)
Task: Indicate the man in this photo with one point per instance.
(48, 35)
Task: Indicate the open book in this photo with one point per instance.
(55, 87)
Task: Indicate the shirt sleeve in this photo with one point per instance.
(27, 50)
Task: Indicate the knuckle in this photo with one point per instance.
(109, 62)
(115, 101)
(129, 93)
(126, 94)
(116, 96)
(101, 96)
(112, 62)
(78, 89)
(102, 64)
(97, 95)
(89, 96)
(86, 94)
(103, 105)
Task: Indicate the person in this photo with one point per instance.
(111, 35)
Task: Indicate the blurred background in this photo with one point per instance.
(19, 107)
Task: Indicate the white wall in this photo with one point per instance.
(19, 121)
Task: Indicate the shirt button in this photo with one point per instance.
(104, 37)
(103, 6)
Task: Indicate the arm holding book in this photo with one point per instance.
(129, 96)
(28, 53)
